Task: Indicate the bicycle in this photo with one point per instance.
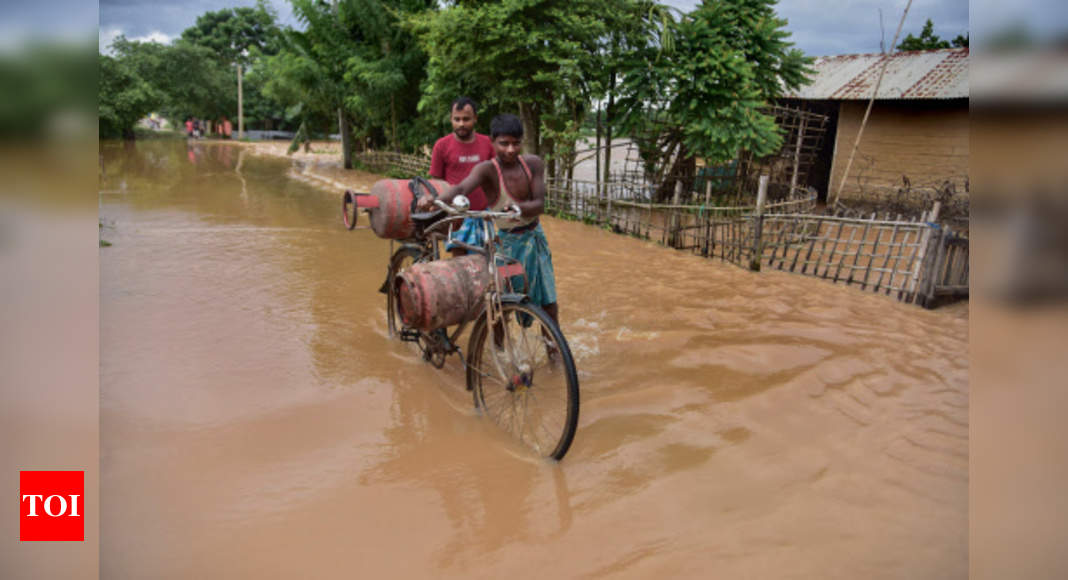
(519, 367)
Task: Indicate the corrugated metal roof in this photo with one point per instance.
(925, 74)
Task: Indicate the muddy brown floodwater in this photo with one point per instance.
(257, 421)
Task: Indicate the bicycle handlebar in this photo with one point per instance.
(483, 214)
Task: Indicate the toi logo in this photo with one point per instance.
(52, 506)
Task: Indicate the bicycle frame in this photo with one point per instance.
(427, 243)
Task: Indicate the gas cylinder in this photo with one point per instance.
(391, 219)
(437, 294)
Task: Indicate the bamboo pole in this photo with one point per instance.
(758, 225)
(871, 102)
(827, 264)
(932, 218)
(860, 248)
(886, 262)
(852, 234)
(797, 153)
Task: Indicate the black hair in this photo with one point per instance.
(462, 102)
(506, 124)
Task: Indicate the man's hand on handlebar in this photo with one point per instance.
(425, 203)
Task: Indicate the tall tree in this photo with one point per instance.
(730, 59)
(124, 97)
(533, 56)
(188, 79)
(237, 36)
(928, 40)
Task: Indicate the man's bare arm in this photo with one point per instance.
(465, 187)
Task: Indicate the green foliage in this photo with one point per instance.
(730, 59)
(301, 138)
(535, 58)
(42, 80)
(353, 57)
(189, 79)
(124, 97)
(237, 35)
(928, 40)
(242, 36)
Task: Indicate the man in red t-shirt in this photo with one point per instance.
(453, 158)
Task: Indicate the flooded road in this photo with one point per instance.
(257, 421)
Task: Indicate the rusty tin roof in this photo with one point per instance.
(922, 74)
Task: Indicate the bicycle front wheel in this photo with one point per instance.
(523, 377)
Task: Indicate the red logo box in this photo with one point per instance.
(52, 506)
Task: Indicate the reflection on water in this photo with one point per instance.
(256, 419)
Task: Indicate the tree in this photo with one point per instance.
(537, 57)
(189, 79)
(645, 33)
(237, 36)
(353, 59)
(730, 59)
(386, 70)
(124, 97)
(928, 40)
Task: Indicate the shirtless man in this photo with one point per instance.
(512, 179)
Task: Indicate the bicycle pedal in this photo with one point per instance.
(409, 335)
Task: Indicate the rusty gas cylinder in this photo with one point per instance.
(392, 219)
(437, 294)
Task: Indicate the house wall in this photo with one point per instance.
(925, 141)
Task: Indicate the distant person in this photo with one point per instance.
(511, 179)
(188, 126)
(227, 127)
(453, 158)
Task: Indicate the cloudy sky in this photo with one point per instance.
(819, 27)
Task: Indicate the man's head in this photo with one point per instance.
(506, 131)
(463, 115)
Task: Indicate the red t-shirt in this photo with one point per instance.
(453, 160)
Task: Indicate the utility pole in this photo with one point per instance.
(240, 105)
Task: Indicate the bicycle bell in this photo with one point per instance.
(461, 202)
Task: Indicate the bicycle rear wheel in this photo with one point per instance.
(523, 377)
(401, 259)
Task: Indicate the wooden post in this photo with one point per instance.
(860, 248)
(758, 225)
(925, 241)
(797, 152)
(852, 234)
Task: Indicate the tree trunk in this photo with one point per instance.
(346, 138)
(597, 151)
(240, 106)
(393, 129)
(528, 115)
(608, 127)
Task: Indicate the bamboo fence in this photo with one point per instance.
(393, 162)
(916, 260)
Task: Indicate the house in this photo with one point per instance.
(915, 143)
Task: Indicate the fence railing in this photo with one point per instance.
(392, 162)
(916, 261)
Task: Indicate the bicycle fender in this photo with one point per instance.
(515, 298)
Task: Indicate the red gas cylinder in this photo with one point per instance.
(392, 218)
(437, 294)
